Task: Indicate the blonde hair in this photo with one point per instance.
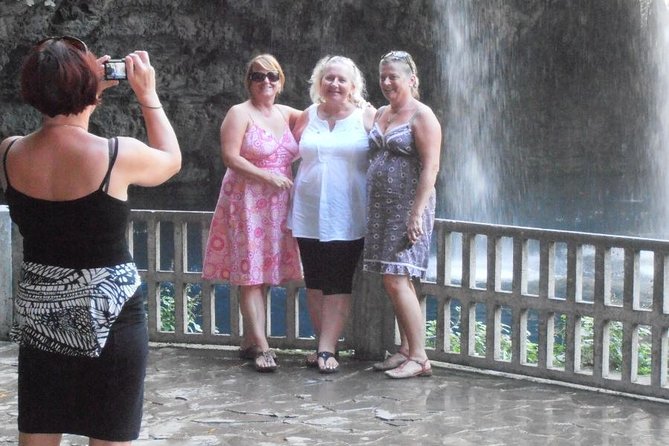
(409, 64)
(266, 62)
(359, 90)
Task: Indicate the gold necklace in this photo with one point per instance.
(394, 114)
(66, 125)
(391, 116)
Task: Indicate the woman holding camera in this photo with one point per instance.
(249, 244)
(79, 321)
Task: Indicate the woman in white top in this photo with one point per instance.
(328, 215)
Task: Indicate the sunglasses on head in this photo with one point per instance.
(257, 76)
(399, 56)
(77, 43)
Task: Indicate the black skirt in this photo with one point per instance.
(95, 397)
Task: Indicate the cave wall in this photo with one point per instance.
(574, 71)
(199, 49)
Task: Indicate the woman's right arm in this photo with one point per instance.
(155, 163)
(300, 125)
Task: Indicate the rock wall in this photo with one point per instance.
(200, 49)
(574, 71)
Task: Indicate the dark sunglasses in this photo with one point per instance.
(399, 56)
(77, 43)
(257, 76)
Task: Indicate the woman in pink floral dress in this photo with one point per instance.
(249, 244)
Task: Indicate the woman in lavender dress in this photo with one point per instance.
(405, 142)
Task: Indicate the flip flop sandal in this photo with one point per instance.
(325, 356)
(311, 359)
(268, 357)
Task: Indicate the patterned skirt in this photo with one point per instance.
(95, 397)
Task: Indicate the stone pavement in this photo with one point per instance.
(208, 397)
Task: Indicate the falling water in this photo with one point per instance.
(660, 125)
(472, 71)
(545, 113)
(589, 87)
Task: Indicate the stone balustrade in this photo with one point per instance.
(576, 308)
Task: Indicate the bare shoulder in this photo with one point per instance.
(369, 109)
(424, 111)
(425, 117)
(4, 145)
(7, 141)
(287, 109)
(237, 113)
(3, 148)
(238, 109)
(289, 113)
(127, 144)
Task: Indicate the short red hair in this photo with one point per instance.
(59, 79)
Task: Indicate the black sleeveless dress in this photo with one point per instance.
(95, 397)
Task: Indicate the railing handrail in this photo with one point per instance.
(599, 309)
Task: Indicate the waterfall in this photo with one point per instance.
(545, 113)
(473, 78)
(660, 125)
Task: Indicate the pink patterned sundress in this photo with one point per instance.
(249, 243)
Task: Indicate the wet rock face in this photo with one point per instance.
(569, 61)
(199, 49)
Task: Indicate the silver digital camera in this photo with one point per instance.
(115, 70)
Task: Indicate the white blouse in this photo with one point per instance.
(329, 195)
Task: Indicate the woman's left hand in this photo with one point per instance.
(280, 181)
(414, 228)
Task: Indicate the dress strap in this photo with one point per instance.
(281, 113)
(4, 160)
(378, 113)
(413, 117)
(113, 152)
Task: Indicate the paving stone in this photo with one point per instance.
(209, 397)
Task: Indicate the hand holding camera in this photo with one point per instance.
(137, 70)
(142, 78)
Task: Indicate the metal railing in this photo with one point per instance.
(579, 308)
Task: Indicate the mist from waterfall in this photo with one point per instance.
(660, 125)
(472, 76)
(546, 109)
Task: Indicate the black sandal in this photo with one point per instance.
(325, 369)
(311, 360)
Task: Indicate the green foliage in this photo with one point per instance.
(559, 350)
(193, 297)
